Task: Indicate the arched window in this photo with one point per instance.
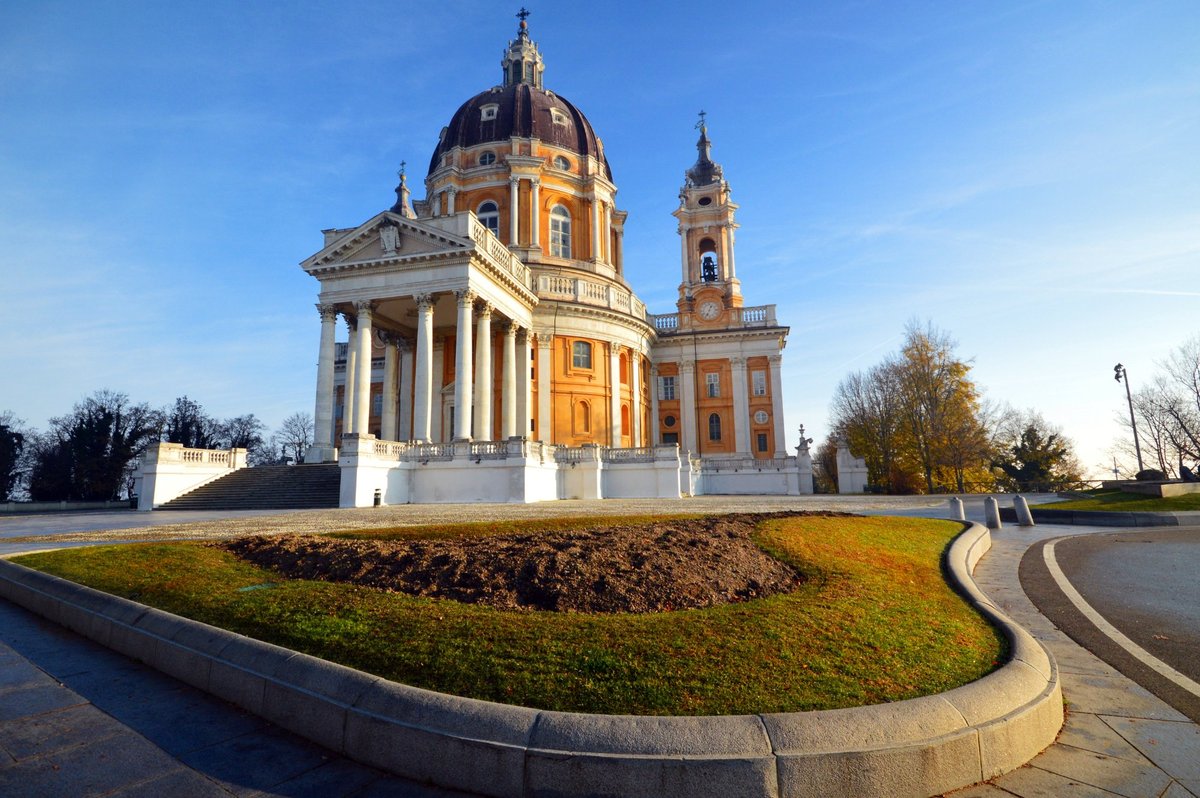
(626, 429)
(624, 364)
(560, 232)
(489, 216)
(581, 355)
(714, 427)
(709, 263)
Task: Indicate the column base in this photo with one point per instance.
(321, 454)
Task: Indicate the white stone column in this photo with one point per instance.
(462, 366)
(606, 235)
(323, 415)
(545, 341)
(741, 405)
(451, 193)
(635, 398)
(687, 406)
(514, 211)
(732, 273)
(596, 228)
(508, 391)
(351, 376)
(524, 384)
(684, 254)
(777, 404)
(655, 439)
(437, 414)
(362, 385)
(614, 379)
(404, 390)
(387, 417)
(423, 378)
(535, 213)
(619, 260)
(482, 429)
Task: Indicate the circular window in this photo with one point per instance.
(561, 163)
(761, 417)
(705, 200)
(487, 159)
(668, 421)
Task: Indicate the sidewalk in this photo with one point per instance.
(1119, 739)
(79, 720)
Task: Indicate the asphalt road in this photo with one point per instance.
(1140, 588)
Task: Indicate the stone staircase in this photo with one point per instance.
(297, 487)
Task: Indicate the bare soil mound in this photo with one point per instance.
(656, 567)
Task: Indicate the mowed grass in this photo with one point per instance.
(1120, 501)
(875, 622)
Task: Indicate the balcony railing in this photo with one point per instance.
(588, 292)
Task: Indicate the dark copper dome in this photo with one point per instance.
(524, 111)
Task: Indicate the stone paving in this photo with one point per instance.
(77, 719)
(1119, 739)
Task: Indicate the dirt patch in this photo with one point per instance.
(668, 565)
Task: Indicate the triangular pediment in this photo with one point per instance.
(386, 237)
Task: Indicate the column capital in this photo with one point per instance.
(484, 309)
(738, 362)
(351, 320)
(545, 339)
(451, 189)
(465, 296)
(514, 181)
(535, 181)
(364, 308)
(424, 301)
(687, 365)
(327, 312)
(774, 360)
(510, 328)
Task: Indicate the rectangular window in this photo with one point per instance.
(666, 387)
(377, 405)
(762, 441)
(760, 383)
(712, 384)
(581, 355)
(670, 437)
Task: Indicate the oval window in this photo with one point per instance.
(705, 200)
(487, 159)
(561, 163)
(668, 421)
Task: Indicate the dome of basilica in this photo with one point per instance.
(523, 110)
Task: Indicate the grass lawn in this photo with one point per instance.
(875, 622)
(1120, 501)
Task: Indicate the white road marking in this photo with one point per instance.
(1112, 632)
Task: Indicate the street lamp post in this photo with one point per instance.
(1121, 372)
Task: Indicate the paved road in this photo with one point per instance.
(1137, 603)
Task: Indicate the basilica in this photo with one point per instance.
(495, 350)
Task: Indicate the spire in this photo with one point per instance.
(704, 171)
(522, 63)
(403, 204)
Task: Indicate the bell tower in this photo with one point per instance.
(706, 227)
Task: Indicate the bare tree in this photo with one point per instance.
(295, 434)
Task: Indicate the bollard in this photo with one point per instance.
(378, 497)
(956, 509)
(1024, 517)
(991, 509)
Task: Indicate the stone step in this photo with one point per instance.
(266, 488)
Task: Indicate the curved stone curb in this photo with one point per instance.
(920, 747)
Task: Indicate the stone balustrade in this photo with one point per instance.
(756, 316)
(589, 292)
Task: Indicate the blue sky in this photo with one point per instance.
(1024, 175)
